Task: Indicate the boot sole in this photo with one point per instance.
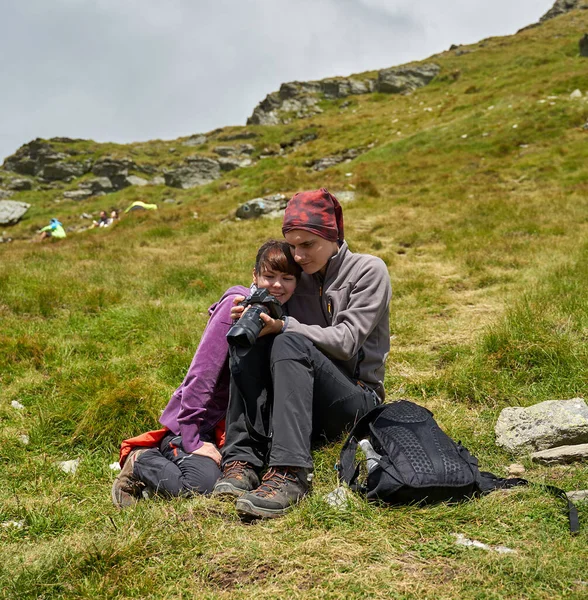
(227, 491)
(119, 498)
(248, 511)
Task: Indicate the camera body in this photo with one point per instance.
(246, 330)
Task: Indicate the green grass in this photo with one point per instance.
(485, 238)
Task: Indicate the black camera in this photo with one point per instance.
(246, 330)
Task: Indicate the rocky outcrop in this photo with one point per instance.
(300, 100)
(98, 185)
(195, 140)
(399, 80)
(197, 170)
(561, 7)
(269, 206)
(20, 185)
(65, 171)
(542, 426)
(234, 150)
(31, 158)
(11, 211)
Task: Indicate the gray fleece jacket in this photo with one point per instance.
(346, 314)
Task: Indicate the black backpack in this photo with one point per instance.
(418, 462)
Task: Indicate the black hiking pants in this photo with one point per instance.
(285, 394)
(169, 471)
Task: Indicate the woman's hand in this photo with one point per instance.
(210, 451)
(270, 325)
(237, 311)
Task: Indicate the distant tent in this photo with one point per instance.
(138, 205)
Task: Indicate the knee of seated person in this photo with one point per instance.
(290, 346)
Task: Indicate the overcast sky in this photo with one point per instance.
(129, 70)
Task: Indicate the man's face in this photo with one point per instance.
(280, 285)
(310, 251)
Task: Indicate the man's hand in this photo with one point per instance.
(210, 451)
(271, 325)
(237, 311)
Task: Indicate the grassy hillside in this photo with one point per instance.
(474, 192)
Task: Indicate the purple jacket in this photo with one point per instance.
(198, 405)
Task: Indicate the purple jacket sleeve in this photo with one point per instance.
(194, 402)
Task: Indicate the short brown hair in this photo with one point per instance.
(276, 255)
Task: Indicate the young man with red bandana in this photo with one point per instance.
(311, 375)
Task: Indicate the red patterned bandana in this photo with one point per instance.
(317, 211)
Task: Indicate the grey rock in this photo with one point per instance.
(77, 194)
(406, 79)
(158, 180)
(328, 161)
(198, 170)
(134, 180)
(6, 194)
(169, 201)
(11, 211)
(578, 495)
(86, 216)
(258, 207)
(62, 170)
(195, 140)
(561, 7)
(109, 167)
(561, 455)
(20, 185)
(583, 43)
(541, 426)
(98, 184)
(231, 163)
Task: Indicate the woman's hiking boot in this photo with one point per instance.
(127, 489)
(280, 489)
(238, 478)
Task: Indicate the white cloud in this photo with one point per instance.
(141, 69)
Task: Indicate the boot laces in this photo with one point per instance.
(235, 469)
(273, 480)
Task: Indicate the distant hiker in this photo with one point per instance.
(320, 369)
(53, 230)
(102, 220)
(183, 458)
(113, 217)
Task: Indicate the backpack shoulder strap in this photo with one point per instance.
(488, 482)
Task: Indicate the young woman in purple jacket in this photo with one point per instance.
(183, 457)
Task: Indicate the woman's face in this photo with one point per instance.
(280, 285)
(310, 251)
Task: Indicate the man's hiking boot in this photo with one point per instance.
(280, 489)
(127, 489)
(237, 479)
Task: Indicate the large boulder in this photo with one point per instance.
(398, 80)
(109, 167)
(98, 185)
(61, 170)
(269, 206)
(541, 426)
(11, 211)
(561, 7)
(20, 185)
(197, 170)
